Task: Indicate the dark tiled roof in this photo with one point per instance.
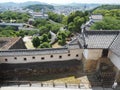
(7, 42)
(12, 24)
(99, 39)
(115, 47)
(74, 41)
(81, 42)
(73, 46)
(28, 52)
(97, 17)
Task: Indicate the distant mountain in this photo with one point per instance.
(79, 5)
(32, 3)
(108, 7)
(38, 7)
(24, 4)
(8, 4)
(29, 4)
(83, 5)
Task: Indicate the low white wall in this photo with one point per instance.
(74, 54)
(92, 54)
(114, 59)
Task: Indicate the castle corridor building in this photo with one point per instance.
(94, 51)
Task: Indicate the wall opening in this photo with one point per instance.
(77, 55)
(60, 57)
(51, 56)
(105, 53)
(6, 59)
(25, 59)
(15, 58)
(33, 57)
(42, 58)
(69, 54)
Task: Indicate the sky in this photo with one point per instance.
(67, 1)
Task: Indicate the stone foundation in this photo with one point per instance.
(90, 66)
(22, 71)
(94, 65)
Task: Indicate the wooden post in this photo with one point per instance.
(53, 84)
(78, 85)
(66, 85)
(30, 84)
(41, 84)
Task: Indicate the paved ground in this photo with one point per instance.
(38, 88)
(28, 43)
(50, 88)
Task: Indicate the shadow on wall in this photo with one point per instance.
(42, 71)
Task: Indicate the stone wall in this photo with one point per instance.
(92, 54)
(10, 71)
(117, 77)
(94, 65)
(89, 65)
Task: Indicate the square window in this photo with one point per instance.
(25, 59)
(6, 59)
(69, 54)
(51, 56)
(77, 55)
(42, 58)
(60, 57)
(15, 58)
(33, 57)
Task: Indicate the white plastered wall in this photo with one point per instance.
(92, 54)
(114, 59)
(20, 59)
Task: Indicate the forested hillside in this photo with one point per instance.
(111, 17)
(39, 7)
(107, 7)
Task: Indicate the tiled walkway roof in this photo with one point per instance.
(99, 39)
(25, 52)
(115, 47)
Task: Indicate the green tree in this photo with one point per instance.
(55, 17)
(75, 20)
(36, 41)
(44, 38)
(43, 29)
(55, 28)
(39, 22)
(64, 20)
(18, 17)
(78, 22)
(108, 23)
(9, 28)
(45, 45)
(62, 35)
(71, 27)
(62, 42)
(21, 33)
